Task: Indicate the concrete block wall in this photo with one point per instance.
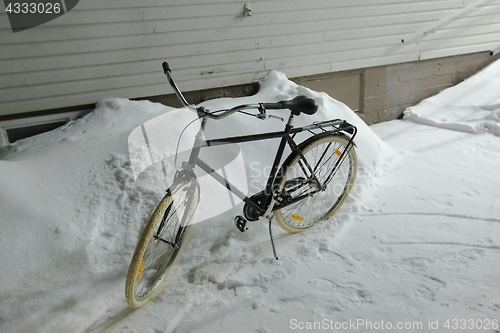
(382, 93)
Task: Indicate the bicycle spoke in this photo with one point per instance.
(310, 203)
(328, 160)
(334, 171)
(159, 245)
(323, 155)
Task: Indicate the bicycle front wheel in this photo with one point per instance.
(305, 201)
(161, 243)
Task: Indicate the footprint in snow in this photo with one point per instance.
(347, 295)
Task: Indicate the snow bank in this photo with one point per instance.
(71, 210)
(472, 106)
(248, 169)
(65, 203)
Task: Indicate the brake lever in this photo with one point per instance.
(263, 115)
(276, 117)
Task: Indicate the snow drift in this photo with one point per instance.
(71, 211)
(472, 106)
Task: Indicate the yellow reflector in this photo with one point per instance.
(297, 217)
(338, 152)
(139, 273)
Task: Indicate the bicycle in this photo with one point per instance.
(309, 186)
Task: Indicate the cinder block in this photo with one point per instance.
(392, 113)
(472, 62)
(369, 117)
(375, 80)
(345, 88)
(396, 97)
(419, 84)
(420, 70)
(374, 103)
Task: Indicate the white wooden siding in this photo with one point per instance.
(111, 48)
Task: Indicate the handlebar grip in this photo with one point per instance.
(273, 106)
(166, 67)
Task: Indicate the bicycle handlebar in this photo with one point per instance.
(166, 67)
(228, 112)
(168, 71)
(262, 107)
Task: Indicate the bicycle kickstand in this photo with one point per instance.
(272, 239)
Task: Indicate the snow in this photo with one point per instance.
(416, 242)
(472, 106)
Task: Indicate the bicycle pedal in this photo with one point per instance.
(241, 223)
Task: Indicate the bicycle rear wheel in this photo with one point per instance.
(318, 203)
(161, 243)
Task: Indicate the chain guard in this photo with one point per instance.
(249, 212)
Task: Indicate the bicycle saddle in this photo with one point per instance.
(301, 104)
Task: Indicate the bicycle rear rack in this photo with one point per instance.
(338, 125)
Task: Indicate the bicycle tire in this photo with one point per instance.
(322, 152)
(160, 243)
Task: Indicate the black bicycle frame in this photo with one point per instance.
(201, 143)
(285, 136)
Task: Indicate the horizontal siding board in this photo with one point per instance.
(226, 19)
(100, 76)
(114, 48)
(90, 17)
(360, 31)
(349, 7)
(20, 74)
(47, 33)
(476, 32)
(339, 56)
(373, 61)
(336, 46)
(4, 21)
(142, 26)
(457, 50)
(268, 5)
(152, 40)
(28, 79)
(147, 41)
(111, 4)
(126, 56)
(155, 88)
(215, 15)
